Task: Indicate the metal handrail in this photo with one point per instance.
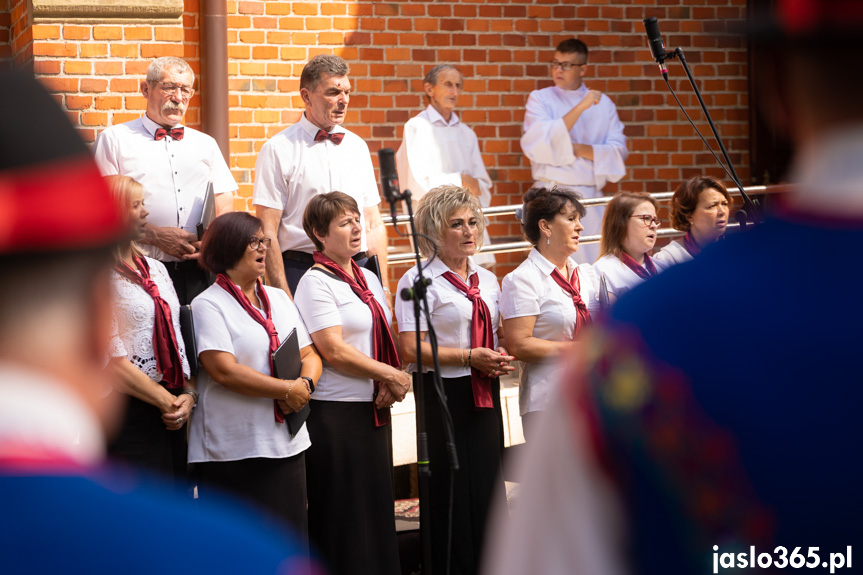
(508, 247)
(592, 202)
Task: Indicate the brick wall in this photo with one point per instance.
(502, 48)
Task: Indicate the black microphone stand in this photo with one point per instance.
(418, 294)
(749, 212)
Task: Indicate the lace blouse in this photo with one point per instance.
(134, 313)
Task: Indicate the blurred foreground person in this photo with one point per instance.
(699, 207)
(666, 456)
(63, 510)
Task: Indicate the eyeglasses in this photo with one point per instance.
(565, 66)
(185, 92)
(255, 243)
(648, 219)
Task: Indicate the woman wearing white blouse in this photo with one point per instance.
(699, 207)
(148, 355)
(239, 437)
(548, 299)
(349, 466)
(629, 229)
(463, 305)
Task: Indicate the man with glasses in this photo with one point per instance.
(573, 136)
(174, 163)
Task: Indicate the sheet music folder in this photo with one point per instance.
(208, 213)
(286, 365)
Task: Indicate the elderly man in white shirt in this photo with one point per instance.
(315, 156)
(174, 163)
(573, 136)
(437, 148)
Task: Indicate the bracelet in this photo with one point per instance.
(193, 393)
(469, 353)
(290, 386)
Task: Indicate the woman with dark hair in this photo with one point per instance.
(699, 207)
(629, 229)
(463, 304)
(548, 299)
(148, 356)
(349, 465)
(238, 438)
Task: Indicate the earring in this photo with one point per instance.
(548, 240)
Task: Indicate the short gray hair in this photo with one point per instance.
(434, 211)
(431, 77)
(157, 68)
(319, 65)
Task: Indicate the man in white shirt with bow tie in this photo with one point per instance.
(315, 156)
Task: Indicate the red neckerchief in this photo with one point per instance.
(481, 335)
(383, 347)
(646, 272)
(165, 346)
(267, 322)
(573, 288)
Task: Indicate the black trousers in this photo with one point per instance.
(276, 485)
(189, 279)
(476, 485)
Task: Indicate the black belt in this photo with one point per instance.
(182, 265)
(307, 258)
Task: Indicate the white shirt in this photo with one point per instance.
(325, 301)
(174, 173)
(619, 279)
(435, 152)
(292, 169)
(43, 417)
(134, 316)
(450, 310)
(531, 291)
(548, 145)
(228, 426)
(672, 254)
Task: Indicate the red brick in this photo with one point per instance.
(246, 7)
(78, 102)
(163, 34)
(107, 32)
(94, 50)
(305, 8)
(52, 49)
(109, 68)
(138, 33)
(77, 67)
(46, 67)
(76, 32)
(106, 102)
(45, 32)
(124, 50)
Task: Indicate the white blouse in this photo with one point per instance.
(325, 301)
(531, 291)
(618, 277)
(134, 316)
(450, 310)
(672, 254)
(228, 426)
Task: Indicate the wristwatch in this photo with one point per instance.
(310, 382)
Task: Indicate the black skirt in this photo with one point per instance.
(349, 476)
(278, 486)
(144, 442)
(477, 484)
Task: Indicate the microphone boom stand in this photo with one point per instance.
(418, 294)
(749, 212)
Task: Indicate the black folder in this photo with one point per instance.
(286, 365)
(187, 332)
(208, 213)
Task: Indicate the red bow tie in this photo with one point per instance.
(336, 137)
(176, 133)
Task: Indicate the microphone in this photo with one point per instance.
(389, 177)
(654, 42)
